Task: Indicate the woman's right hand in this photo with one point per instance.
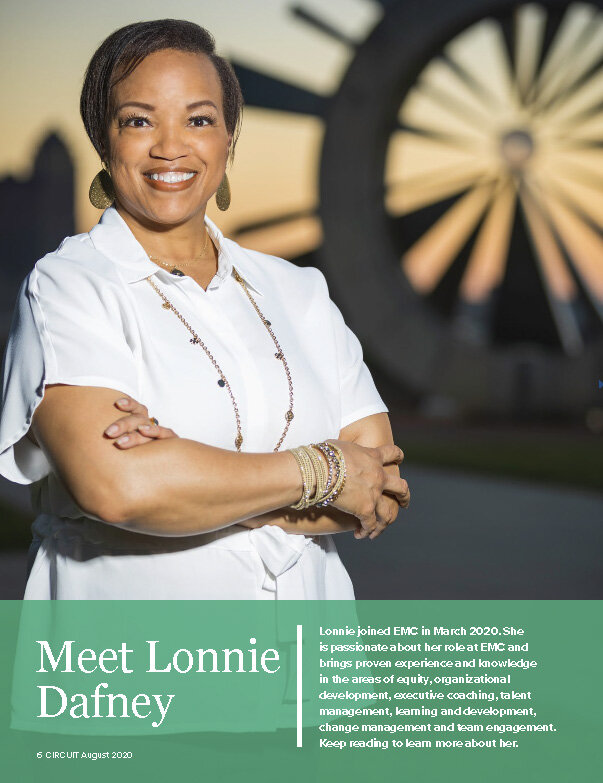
(136, 427)
(367, 480)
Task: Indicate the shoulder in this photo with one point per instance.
(76, 268)
(277, 275)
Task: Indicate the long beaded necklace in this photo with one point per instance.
(223, 381)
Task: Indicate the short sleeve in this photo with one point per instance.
(67, 327)
(358, 393)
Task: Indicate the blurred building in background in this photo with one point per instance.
(35, 215)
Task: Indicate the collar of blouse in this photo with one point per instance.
(113, 237)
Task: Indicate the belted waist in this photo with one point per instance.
(101, 538)
(278, 550)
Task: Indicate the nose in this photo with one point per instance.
(169, 142)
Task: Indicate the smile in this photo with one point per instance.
(170, 181)
(172, 176)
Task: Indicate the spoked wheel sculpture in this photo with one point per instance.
(462, 201)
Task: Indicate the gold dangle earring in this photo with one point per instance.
(101, 193)
(223, 194)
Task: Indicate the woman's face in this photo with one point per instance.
(168, 134)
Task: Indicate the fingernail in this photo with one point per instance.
(123, 401)
(112, 429)
(123, 439)
(144, 427)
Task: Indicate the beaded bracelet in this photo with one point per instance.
(335, 457)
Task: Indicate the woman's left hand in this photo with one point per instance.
(136, 427)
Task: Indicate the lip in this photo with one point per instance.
(169, 187)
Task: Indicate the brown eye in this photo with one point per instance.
(126, 121)
(203, 117)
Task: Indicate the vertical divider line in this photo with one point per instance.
(299, 685)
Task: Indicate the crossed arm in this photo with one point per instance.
(140, 489)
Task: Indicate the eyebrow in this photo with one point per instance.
(148, 106)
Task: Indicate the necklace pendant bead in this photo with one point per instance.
(221, 382)
(166, 305)
(278, 355)
(194, 340)
(177, 272)
(289, 415)
(238, 441)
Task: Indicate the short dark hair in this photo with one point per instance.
(120, 53)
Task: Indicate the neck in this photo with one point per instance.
(172, 242)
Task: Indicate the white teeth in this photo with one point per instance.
(173, 176)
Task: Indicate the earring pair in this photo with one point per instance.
(102, 194)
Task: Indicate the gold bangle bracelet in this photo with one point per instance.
(302, 469)
(318, 472)
(307, 472)
(328, 481)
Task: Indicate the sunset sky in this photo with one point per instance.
(46, 47)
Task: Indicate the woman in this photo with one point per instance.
(241, 353)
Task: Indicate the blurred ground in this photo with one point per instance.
(474, 537)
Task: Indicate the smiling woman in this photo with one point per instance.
(224, 354)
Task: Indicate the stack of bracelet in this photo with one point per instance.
(313, 472)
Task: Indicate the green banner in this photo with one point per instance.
(469, 690)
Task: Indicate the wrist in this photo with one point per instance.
(298, 483)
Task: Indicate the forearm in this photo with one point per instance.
(311, 521)
(171, 487)
(178, 487)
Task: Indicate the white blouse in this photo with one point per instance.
(86, 316)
